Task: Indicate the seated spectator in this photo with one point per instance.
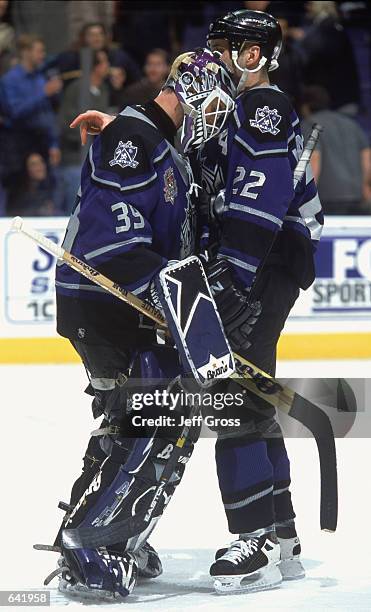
(97, 98)
(35, 194)
(7, 46)
(341, 160)
(94, 36)
(28, 120)
(156, 70)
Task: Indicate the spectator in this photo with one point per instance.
(69, 109)
(156, 70)
(327, 56)
(28, 118)
(6, 39)
(34, 196)
(341, 161)
(94, 36)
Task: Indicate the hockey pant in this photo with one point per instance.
(123, 466)
(252, 463)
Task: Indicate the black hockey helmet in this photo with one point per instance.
(243, 26)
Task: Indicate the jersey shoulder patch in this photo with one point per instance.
(266, 114)
(124, 151)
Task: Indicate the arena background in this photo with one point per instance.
(326, 46)
(46, 416)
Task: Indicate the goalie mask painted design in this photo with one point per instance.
(205, 89)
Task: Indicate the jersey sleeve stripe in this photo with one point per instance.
(141, 289)
(308, 211)
(255, 212)
(117, 245)
(294, 219)
(236, 262)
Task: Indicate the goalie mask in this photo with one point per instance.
(205, 89)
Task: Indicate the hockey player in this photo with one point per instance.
(133, 213)
(264, 238)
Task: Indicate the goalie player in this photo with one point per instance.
(133, 213)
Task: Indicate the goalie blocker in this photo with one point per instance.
(194, 321)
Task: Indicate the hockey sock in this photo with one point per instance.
(277, 454)
(245, 476)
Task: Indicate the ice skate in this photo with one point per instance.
(248, 565)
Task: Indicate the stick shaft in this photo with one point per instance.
(304, 160)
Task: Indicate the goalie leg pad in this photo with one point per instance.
(122, 489)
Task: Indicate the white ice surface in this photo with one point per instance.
(45, 423)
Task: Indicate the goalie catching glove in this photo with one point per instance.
(237, 314)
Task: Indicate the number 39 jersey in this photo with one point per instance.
(256, 158)
(133, 214)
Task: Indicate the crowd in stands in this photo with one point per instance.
(60, 57)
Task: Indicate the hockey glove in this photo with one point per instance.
(237, 315)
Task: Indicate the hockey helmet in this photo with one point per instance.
(205, 89)
(239, 27)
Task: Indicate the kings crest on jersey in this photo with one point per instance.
(124, 155)
(135, 208)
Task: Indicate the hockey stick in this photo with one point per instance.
(304, 160)
(247, 375)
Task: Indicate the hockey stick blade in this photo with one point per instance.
(319, 424)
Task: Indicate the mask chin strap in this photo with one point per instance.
(246, 71)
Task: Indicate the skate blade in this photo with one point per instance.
(82, 592)
(262, 580)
